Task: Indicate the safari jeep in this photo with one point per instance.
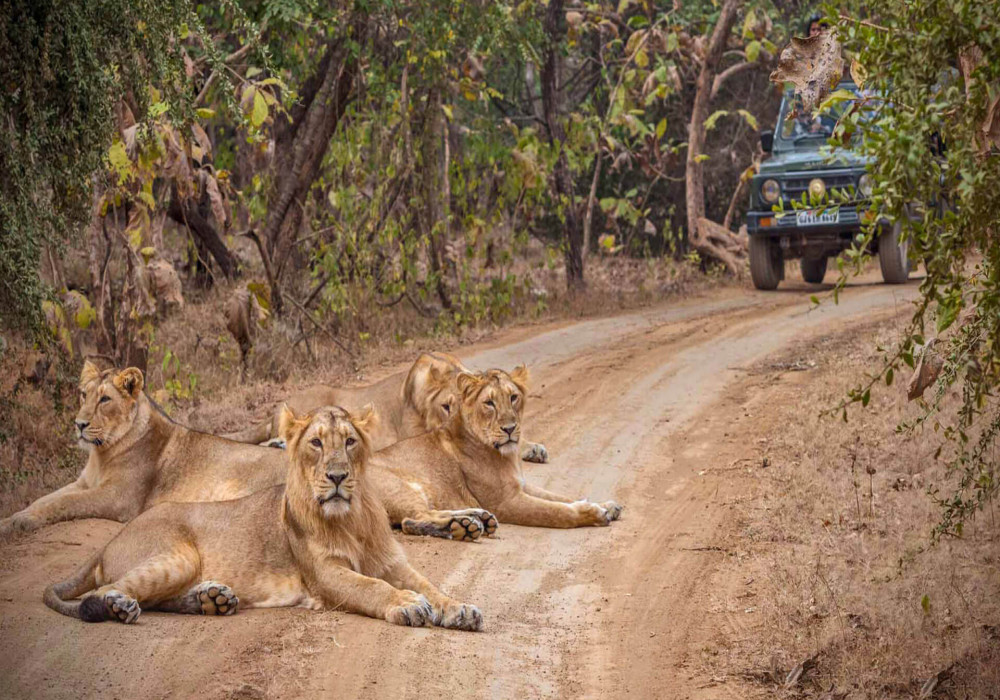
(797, 167)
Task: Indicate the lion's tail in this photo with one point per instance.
(254, 435)
(59, 596)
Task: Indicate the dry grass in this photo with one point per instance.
(835, 537)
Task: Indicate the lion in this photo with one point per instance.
(457, 481)
(408, 404)
(140, 457)
(322, 541)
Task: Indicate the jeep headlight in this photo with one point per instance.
(770, 191)
(866, 185)
(817, 188)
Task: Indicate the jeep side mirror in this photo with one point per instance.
(766, 141)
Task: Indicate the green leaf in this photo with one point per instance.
(672, 42)
(753, 51)
(661, 128)
(866, 397)
(641, 58)
(749, 23)
(888, 377)
(715, 116)
(701, 158)
(120, 163)
(748, 118)
(259, 114)
(447, 111)
(205, 113)
(925, 603)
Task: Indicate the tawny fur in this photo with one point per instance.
(430, 483)
(139, 457)
(408, 404)
(285, 546)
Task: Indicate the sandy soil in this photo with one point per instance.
(631, 407)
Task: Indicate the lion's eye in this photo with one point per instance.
(316, 442)
(514, 398)
(489, 402)
(350, 441)
(104, 399)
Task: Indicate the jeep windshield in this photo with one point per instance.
(799, 127)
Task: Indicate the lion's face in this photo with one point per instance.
(492, 405)
(107, 405)
(329, 450)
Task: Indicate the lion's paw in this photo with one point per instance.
(536, 452)
(462, 616)
(19, 522)
(278, 443)
(466, 528)
(121, 607)
(413, 610)
(613, 511)
(215, 598)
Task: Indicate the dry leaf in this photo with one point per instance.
(202, 138)
(215, 196)
(814, 65)
(165, 284)
(926, 372)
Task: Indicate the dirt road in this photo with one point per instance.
(631, 407)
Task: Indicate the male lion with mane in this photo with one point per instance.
(139, 457)
(321, 541)
(407, 403)
(456, 481)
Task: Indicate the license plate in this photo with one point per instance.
(812, 217)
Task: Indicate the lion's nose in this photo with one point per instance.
(336, 477)
(81, 424)
(509, 429)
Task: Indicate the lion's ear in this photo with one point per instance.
(468, 382)
(89, 373)
(520, 376)
(129, 381)
(289, 426)
(365, 420)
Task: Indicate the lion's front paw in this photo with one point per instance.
(462, 616)
(535, 452)
(613, 510)
(466, 528)
(121, 607)
(19, 522)
(412, 610)
(215, 598)
(278, 443)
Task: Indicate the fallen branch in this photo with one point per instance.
(321, 326)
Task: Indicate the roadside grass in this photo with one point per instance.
(853, 599)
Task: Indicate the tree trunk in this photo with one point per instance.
(432, 187)
(562, 178)
(188, 213)
(301, 144)
(710, 240)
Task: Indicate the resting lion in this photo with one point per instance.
(139, 457)
(322, 541)
(407, 404)
(456, 481)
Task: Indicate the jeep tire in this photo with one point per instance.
(813, 269)
(893, 256)
(766, 262)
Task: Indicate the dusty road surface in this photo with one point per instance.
(631, 407)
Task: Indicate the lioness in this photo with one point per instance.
(455, 481)
(139, 457)
(321, 541)
(407, 404)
